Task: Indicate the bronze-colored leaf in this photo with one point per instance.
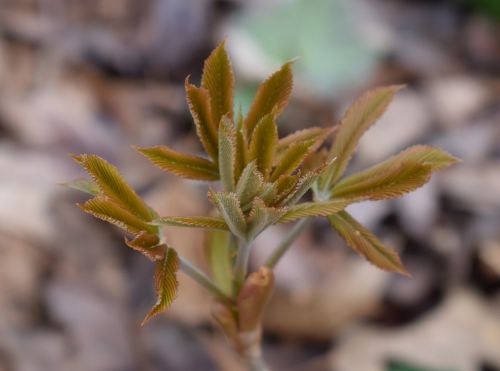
(166, 283)
(292, 158)
(230, 209)
(218, 79)
(109, 211)
(111, 184)
(261, 216)
(366, 243)
(391, 182)
(148, 245)
(241, 154)
(209, 222)
(206, 127)
(309, 209)
(227, 153)
(272, 96)
(180, 164)
(303, 135)
(362, 114)
(263, 144)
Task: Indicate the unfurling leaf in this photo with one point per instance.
(218, 79)
(147, 244)
(272, 97)
(261, 216)
(107, 210)
(308, 209)
(263, 144)
(227, 153)
(166, 283)
(250, 184)
(292, 158)
(83, 185)
(230, 209)
(183, 165)
(392, 182)
(366, 243)
(220, 253)
(113, 186)
(285, 185)
(304, 183)
(200, 108)
(360, 116)
(193, 222)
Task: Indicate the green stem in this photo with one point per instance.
(205, 281)
(241, 264)
(283, 247)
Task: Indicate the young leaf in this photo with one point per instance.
(218, 79)
(111, 184)
(193, 222)
(314, 133)
(200, 108)
(219, 258)
(263, 144)
(227, 153)
(107, 210)
(166, 283)
(241, 154)
(358, 118)
(304, 183)
(83, 185)
(285, 184)
(366, 243)
(272, 96)
(392, 182)
(229, 207)
(147, 244)
(261, 217)
(250, 184)
(292, 158)
(183, 165)
(308, 209)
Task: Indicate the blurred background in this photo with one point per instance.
(96, 76)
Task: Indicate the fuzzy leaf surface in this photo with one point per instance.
(360, 116)
(109, 211)
(262, 216)
(393, 181)
(229, 207)
(218, 79)
(227, 153)
(292, 158)
(250, 183)
(192, 222)
(166, 283)
(314, 133)
(308, 209)
(180, 164)
(241, 154)
(200, 107)
(366, 243)
(272, 96)
(111, 184)
(263, 144)
(148, 245)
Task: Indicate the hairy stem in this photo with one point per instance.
(283, 247)
(200, 277)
